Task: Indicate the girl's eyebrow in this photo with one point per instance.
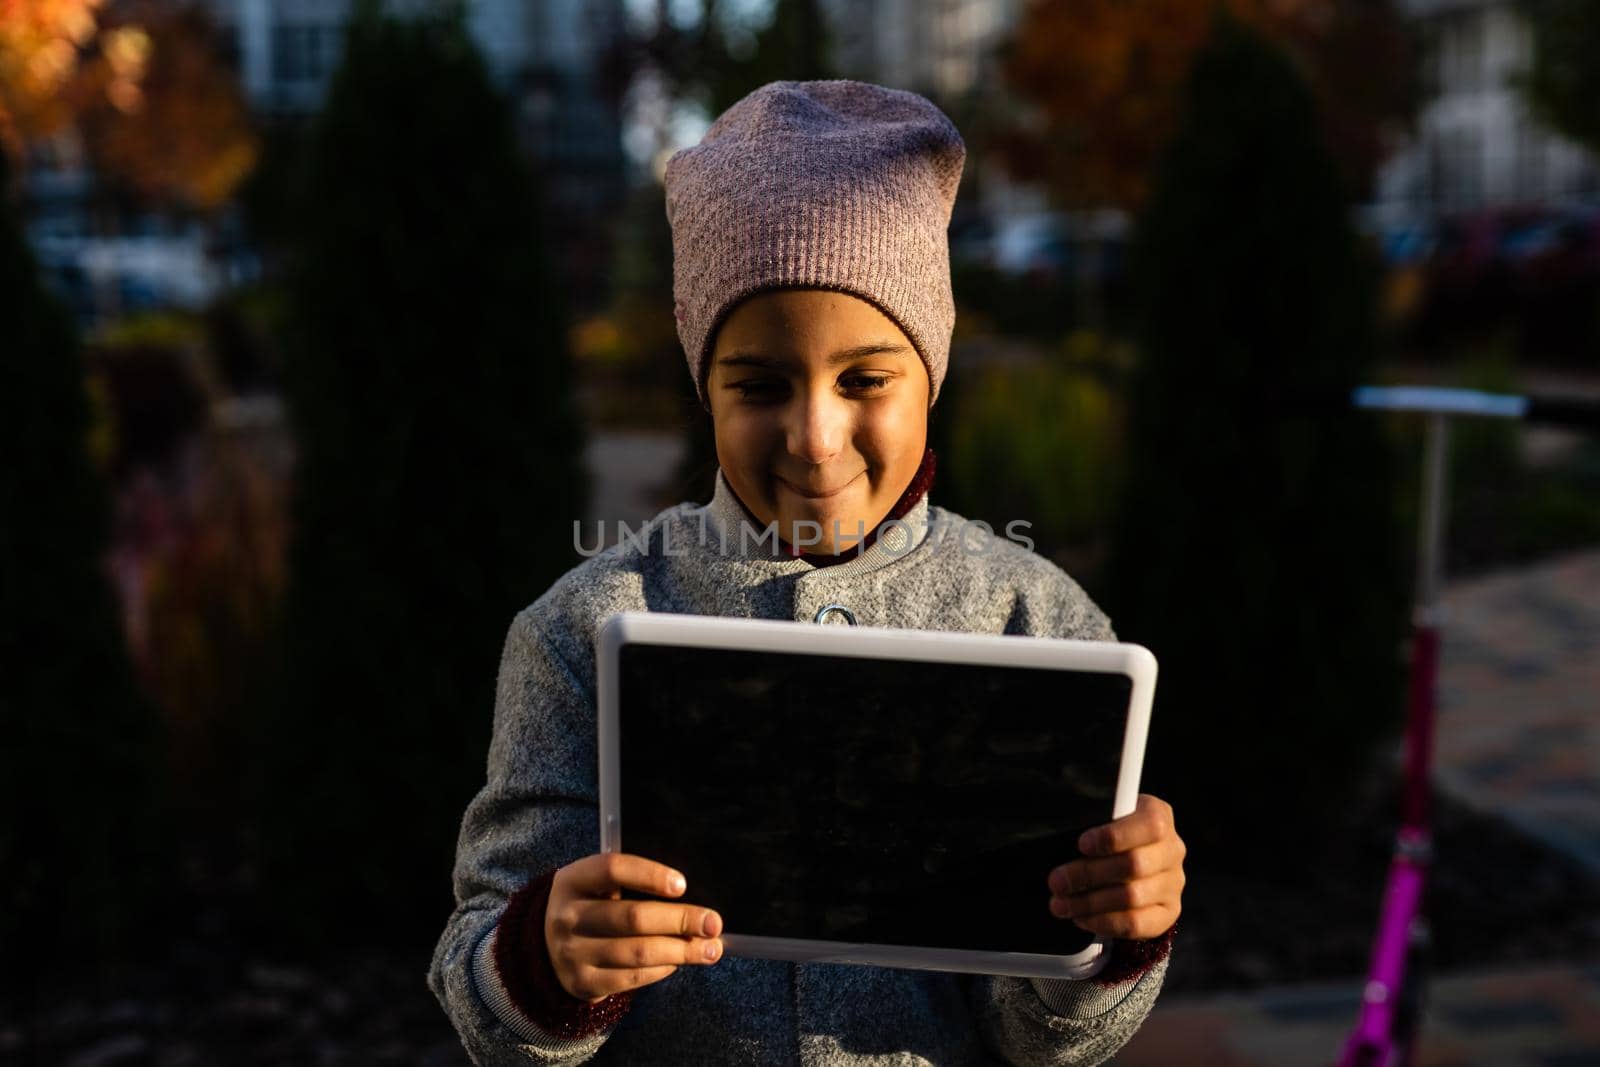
(744, 358)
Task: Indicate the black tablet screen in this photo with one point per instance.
(865, 800)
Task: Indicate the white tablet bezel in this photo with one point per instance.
(799, 638)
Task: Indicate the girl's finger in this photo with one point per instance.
(1163, 889)
(1149, 823)
(625, 918)
(641, 953)
(1145, 861)
(601, 875)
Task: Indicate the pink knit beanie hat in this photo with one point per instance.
(836, 185)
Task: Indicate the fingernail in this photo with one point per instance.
(713, 950)
(677, 883)
(708, 925)
(1086, 841)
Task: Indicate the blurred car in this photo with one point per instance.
(1051, 245)
(1559, 247)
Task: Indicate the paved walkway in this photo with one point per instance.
(1519, 700)
(1519, 736)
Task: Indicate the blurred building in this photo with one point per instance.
(941, 48)
(547, 55)
(1476, 145)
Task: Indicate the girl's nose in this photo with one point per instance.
(817, 426)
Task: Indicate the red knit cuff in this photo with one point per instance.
(920, 483)
(1129, 959)
(523, 962)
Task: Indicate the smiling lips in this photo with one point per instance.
(819, 494)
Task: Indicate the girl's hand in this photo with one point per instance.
(1130, 882)
(601, 944)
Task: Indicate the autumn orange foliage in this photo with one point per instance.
(140, 82)
(1105, 77)
(186, 137)
(40, 44)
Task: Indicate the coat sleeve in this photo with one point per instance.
(538, 810)
(1086, 1024)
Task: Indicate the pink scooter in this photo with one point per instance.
(1385, 1033)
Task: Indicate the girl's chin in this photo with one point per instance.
(853, 525)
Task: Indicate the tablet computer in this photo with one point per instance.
(868, 795)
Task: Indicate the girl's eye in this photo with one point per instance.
(767, 390)
(755, 389)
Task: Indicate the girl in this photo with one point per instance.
(813, 300)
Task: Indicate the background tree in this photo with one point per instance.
(178, 134)
(1563, 84)
(438, 480)
(141, 83)
(1256, 554)
(40, 46)
(1104, 80)
(1562, 87)
(79, 748)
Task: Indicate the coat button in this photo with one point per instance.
(835, 615)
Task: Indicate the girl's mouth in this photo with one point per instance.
(818, 494)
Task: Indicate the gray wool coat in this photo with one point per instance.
(538, 810)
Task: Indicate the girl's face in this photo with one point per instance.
(820, 409)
